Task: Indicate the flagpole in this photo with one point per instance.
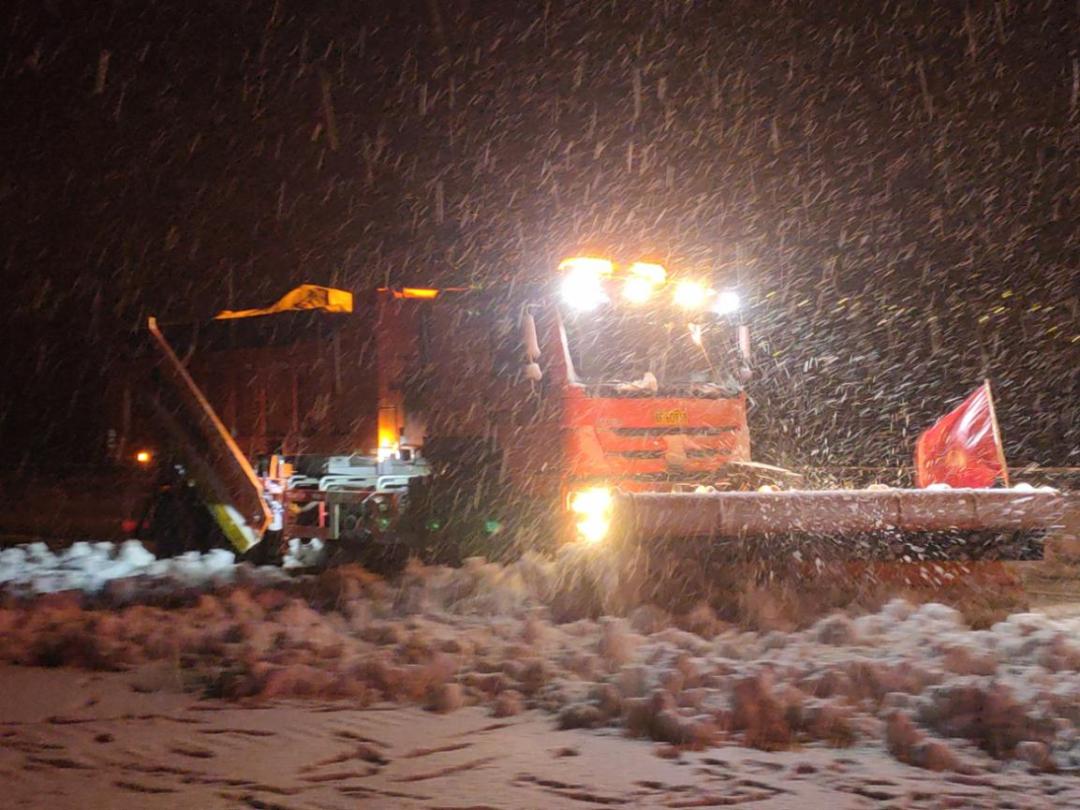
(997, 433)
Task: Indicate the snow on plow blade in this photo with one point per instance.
(959, 523)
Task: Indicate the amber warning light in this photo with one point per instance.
(144, 457)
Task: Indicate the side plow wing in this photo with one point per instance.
(222, 475)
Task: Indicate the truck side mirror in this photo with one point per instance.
(745, 371)
(531, 344)
(744, 342)
(529, 338)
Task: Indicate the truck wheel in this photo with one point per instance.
(270, 551)
(385, 555)
(179, 523)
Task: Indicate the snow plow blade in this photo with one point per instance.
(958, 524)
(225, 481)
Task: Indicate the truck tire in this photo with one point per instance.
(179, 522)
(269, 551)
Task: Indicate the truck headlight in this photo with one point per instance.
(592, 507)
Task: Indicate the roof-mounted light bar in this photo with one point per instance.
(588, 279)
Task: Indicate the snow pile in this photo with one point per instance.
(91, 567)
(914, 679)
(305, 554)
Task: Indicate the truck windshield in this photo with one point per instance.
(620, 349)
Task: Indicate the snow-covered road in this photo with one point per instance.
(914, 680)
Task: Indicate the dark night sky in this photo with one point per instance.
(898, 179)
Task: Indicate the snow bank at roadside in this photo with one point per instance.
(914, 679)
(89, 567)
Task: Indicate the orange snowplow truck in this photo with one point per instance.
(603, 407)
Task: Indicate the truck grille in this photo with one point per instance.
(696, 452)
(674, 430)
(702, 452)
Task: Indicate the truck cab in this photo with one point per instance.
(638, 381)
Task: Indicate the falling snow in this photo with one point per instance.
(891, 185)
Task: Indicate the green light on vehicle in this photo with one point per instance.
(383, 523)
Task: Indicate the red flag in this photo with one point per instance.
(963, 448)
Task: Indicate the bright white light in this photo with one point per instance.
(593, 507)
(637, 290)
(690, 295)
(583, 290)
(727, 301)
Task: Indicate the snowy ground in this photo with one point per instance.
(72, 739)
(892, 695)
